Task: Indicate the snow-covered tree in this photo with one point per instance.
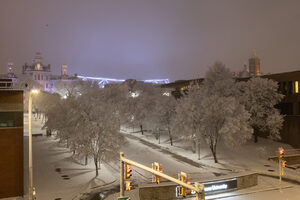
(187, 121)
(219, 81)
(71, 88)
(164, 113)
(224, 118)
(45, 101)
(89, 123)
(141, 102)
(146, 103)
(99, 125)
(259, 96)
(222, 115)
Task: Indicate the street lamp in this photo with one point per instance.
(31, 189)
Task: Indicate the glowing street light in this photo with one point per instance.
(31, 189)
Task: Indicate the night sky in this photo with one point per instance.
(144, 39)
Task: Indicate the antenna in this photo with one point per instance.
(254, 52)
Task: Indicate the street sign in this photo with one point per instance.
(211, 187)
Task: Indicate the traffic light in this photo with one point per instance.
(128, 170)
(183, 177)
(280, 153)
(156, 167)
(283, 164)
(128, 185)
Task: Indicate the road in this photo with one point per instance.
(146, 155)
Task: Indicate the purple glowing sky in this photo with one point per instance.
(146, 39)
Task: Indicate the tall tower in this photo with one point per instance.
(254, 65)
(37, 61)
(64, 70)
(10, 70)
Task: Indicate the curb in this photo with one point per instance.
(184, 159)
(284, 178)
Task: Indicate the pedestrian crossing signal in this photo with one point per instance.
(128, 185)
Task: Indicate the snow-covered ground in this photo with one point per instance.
(58, 174)
(249, 156)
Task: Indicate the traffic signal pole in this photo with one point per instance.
(280, 179)
(121, 175)
(199, 188)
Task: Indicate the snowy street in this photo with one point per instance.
(58, 175)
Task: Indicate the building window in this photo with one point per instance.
(34, 77)
(46, 85)
(11, 119)
(296, 87)
(42, 77)
(47, 78)
(284, 87)
(38, 77)
(279, 89)
(290, 87)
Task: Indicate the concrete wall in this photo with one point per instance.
(246, 181)
(166, 191)
(161, 191)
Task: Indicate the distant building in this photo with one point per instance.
(181, 87)
(288, 85)
(64, 71)
(6, 83)
(10, 70)
(254, 65)
(253, 69)
(39, 72)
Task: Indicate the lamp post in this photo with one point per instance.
(31, 189)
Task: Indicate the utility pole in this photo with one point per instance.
(31, 190)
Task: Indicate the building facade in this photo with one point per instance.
(11, 143)
(39, 72)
